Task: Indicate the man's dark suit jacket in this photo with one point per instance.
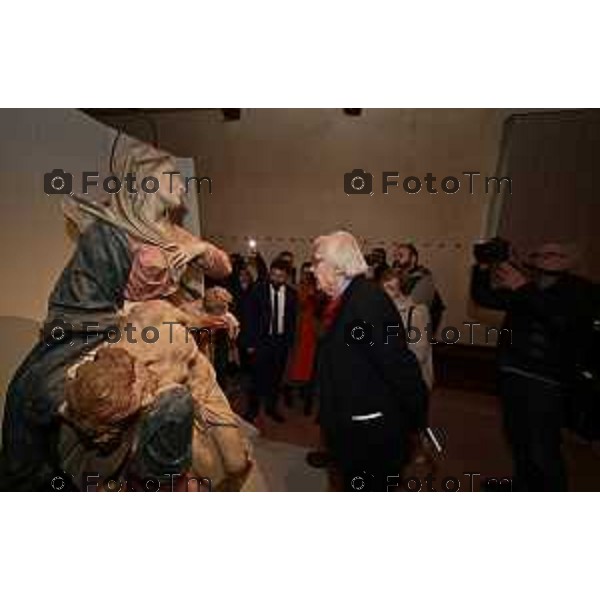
(360, 379)
(257, 317)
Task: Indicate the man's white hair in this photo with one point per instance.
(341, 250)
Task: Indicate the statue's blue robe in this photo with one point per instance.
(89, 291)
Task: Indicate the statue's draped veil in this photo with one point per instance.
(123, 208)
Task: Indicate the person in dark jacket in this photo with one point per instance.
(547, 318)
(371, 395)
(268, 335)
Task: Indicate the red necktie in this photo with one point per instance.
(330, 312)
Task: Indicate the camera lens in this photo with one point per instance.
(58, 183)
(358, 483)
(58, 333)
(357, 180)
(58, 483)
(358, 333)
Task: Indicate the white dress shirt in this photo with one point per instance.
(279, 297)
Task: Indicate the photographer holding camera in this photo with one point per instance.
(548, 313)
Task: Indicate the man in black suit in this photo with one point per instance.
(268, 337)
(369, 384)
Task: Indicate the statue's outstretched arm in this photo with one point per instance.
(214, 261)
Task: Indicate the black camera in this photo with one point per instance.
(57, 332)
(492, 252)
(358, 182)
(358, 332)
(58, 182)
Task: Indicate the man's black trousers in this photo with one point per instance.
(533, 416)
(267, 370)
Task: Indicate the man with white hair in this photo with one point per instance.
(369, 384)
(548, 315)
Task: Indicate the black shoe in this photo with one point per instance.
(277, 417)
(318, 459)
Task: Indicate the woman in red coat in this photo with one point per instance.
(300, 370)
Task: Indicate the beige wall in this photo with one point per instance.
(279, 174)
(276, 174)
(34, 241)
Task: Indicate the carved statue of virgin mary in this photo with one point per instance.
(129, 250)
